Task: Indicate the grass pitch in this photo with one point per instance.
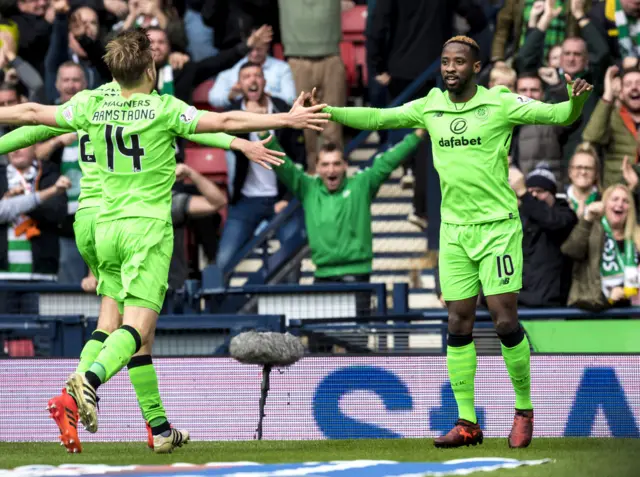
(573, 457)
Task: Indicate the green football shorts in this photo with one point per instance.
(84, 227)
(134, 255)
(488, 254)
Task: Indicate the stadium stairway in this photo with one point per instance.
(398, 245)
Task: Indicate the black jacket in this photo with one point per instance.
(45, 247)
(35, 32)
(406, 36)
(291, 140)
(546, 272)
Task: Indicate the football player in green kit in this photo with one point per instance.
(63, 408)
(133, 134)
(481, 233)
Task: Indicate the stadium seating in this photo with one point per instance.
(200, 97)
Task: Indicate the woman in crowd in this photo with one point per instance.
(604, 246)
(584, 177)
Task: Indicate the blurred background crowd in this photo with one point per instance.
(578, 185)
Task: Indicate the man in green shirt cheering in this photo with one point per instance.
(481, 233)
(337, 209)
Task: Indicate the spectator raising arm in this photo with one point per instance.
(12, 207)
(212, 198)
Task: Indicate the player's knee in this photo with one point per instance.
(506, 325)
(460, 324)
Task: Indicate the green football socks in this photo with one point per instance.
(145, 382)
(115, 354)
(91, 350)
(518, 361)
(461, 363)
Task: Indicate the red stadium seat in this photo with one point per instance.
(22, 348)
(278, 51)
(207, 161)
(354, 24)
(200, 97)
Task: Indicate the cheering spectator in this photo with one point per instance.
(585, 57)
(15, 71)
(201, 199)
(64, 152)
(256, 194)
(503, 76)
(619, 22)
(155, 13)
(29, 243)
(547, 221)
(277, 74)
(35, 31)
(75, 38)
(615, 126)
(179, 76)
(604, 246)
(311, 33)
(584, 177)
(517, 16)
(232, 20)
(337, 209)
(12, 206)
(534, 143)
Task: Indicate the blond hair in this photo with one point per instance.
(587, 148)
(128, 57)
(505, 72)
(631, 228)
(464, 40)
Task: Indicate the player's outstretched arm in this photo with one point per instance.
(407, 116)
(29, 114)
(27, 136)
(299, 117)
(521, 110)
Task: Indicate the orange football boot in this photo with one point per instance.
(64, 411)
(465, 433)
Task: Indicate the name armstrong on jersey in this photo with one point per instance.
(140, 110)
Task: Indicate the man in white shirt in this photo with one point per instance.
(255, 193)
(277, 73)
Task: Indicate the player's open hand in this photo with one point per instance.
(578, 86)
(301, 117)
(257, 152)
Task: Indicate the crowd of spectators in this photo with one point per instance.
(577, 185)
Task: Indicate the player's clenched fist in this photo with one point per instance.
(579, 86)
(63, 183)
(301, 117)
(594, 211)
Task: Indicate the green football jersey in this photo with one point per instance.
(470, 143)
(134, 147)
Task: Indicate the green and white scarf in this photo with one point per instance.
(618, 269)
(628, 33)
(593, 196)
(165, 80)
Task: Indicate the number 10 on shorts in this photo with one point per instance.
(505, 268)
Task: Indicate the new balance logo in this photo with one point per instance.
(504, 281)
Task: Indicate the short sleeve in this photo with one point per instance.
(71, 115)
(181, 118)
